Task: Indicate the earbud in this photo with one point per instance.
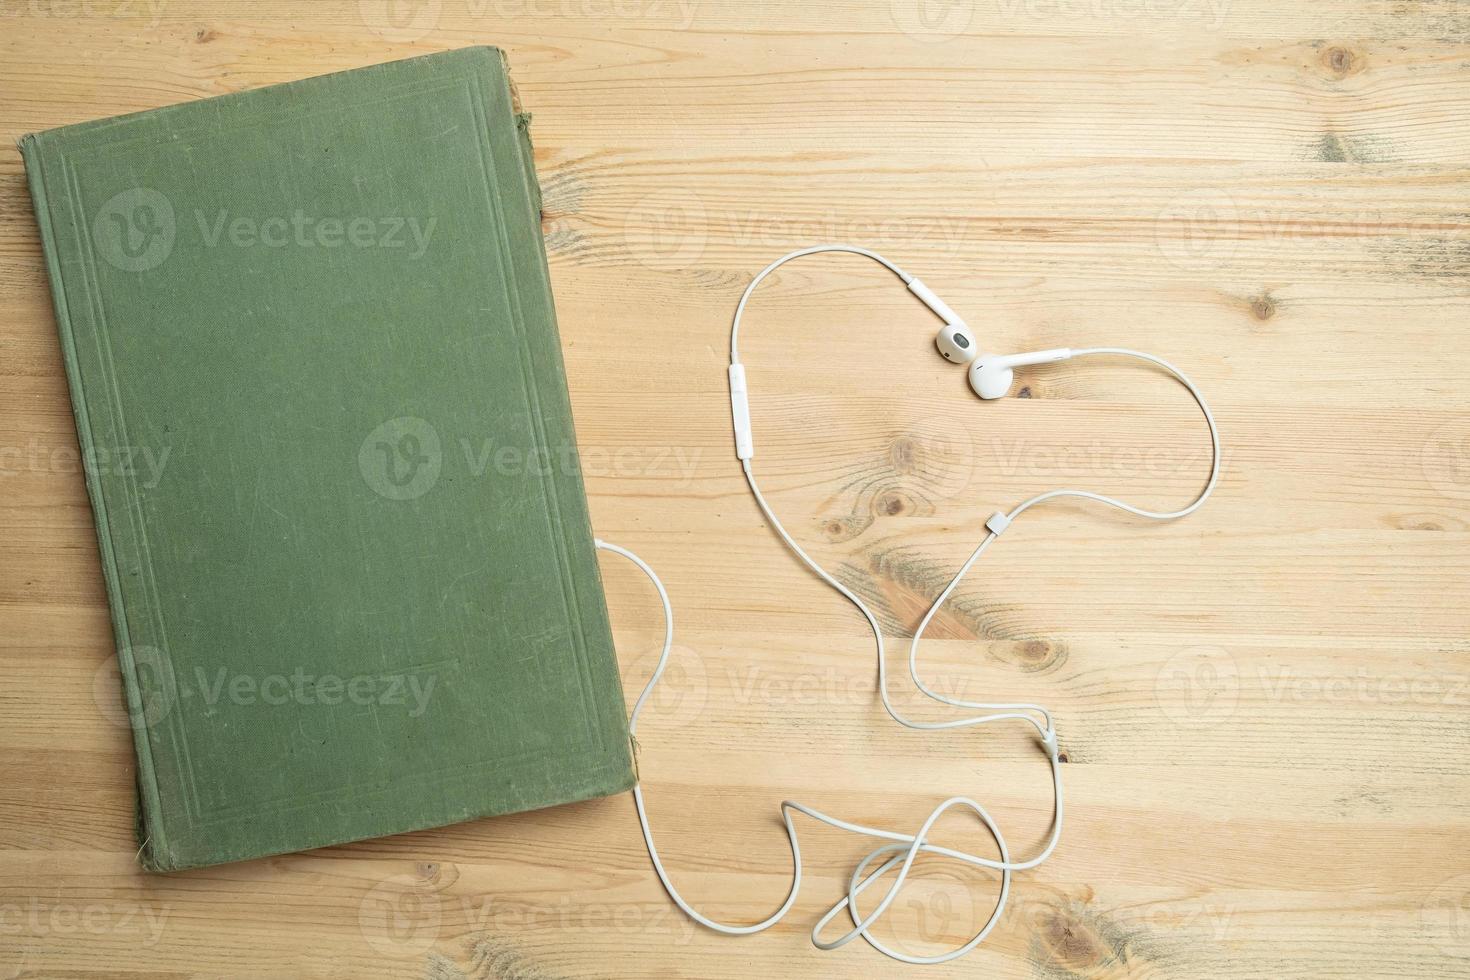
(954, 340)
(956, 343)
(992, 374)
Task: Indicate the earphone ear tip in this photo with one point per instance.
(956, 343)
(989, 380)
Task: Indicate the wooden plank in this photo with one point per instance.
(1263, 707)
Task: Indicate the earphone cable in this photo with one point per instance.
(903, 848)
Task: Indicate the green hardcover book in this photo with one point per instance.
(318, 388)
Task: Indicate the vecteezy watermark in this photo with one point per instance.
(302, 230)
(403, 458)
(38, 917)
(931, 457)
(625, 462)
(135, 230)
(406, 21)
(1016, 457)
(1203, 685)
(936, 909)
(487, 457)
(1445, 917)
(1446, 459)
(683, 692)
(681, 695)
(1211, 920)
(670, 230)
(154, 695)
(1072, 934)
(677, 13)
(400, 916)
(752, 684)
(1198, 686)
(150, 11)
(401, 21)
(1198, 230)
(932, 21)
(138, 230)
(403, 916)
(1209, 14)
(159, 689)
(143, 464)
(409, 691)
(1202, 229)
(1282, 684)
(667, 230)
(945, 20)
(504, 917)
(941, 235)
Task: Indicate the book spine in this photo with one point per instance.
(540, 284)
(150, 825)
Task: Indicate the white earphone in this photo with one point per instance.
(991, 376)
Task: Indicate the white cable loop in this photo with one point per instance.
(901, 849)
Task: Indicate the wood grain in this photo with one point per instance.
(1264, 708)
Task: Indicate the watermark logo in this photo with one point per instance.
(932, 21)
(1282, 684)
(668, 230)
(1018, 457)
(1198, 230)
(138, 230)
(935, 459)
(1202, 230)
(69, 921)
(135, 230)
(400, 917)
(142, 464)
(486, 457)
(1445, 917)
(918, 468)
(1203, 685)
(302, 230)
(682, 692)
(401, 458)
(932, 913)
(409, 691)
(152, 10)
(676, 13)
(1199, 686)
(401, 21)
(158, 689)
(1209, 13)
(1446, 459)
(405, 21)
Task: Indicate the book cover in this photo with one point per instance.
(313, 359)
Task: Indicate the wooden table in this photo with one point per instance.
(1263, 707)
